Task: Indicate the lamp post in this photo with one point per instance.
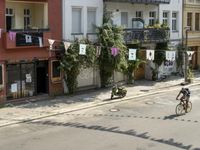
(185, 54)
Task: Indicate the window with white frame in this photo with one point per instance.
(76, 20)
(124, 19)
(9, 19)
(174, 21)
(27, 18)
(152, 18)
(139, 14)
(166, 18)
(91, 20)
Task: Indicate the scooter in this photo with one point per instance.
(118, 91)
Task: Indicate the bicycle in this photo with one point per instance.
(181, 107)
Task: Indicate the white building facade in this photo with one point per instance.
(80, 17)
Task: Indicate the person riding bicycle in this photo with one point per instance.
(185, 97)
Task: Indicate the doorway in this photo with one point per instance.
(42, 77)
(8, 23)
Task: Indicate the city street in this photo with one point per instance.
(144, 123)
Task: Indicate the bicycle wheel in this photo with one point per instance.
(189, 108)
(179, 109)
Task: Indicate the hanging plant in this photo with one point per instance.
(72, 62)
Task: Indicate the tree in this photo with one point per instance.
(110, 36)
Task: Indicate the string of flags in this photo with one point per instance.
(150, 54)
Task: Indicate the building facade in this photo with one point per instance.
(27, 66)
(191, 27)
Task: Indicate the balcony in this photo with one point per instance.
(141, 1)
(146, 35)
(19, 41)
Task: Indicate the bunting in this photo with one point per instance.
(132, 54)
(190, 53)
(66, 45)
(170, 55)
(51, 42)
(114, 51)
(150, 54)
(82, 49)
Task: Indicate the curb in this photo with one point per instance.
(93, 104)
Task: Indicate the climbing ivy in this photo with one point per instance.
(71, 63)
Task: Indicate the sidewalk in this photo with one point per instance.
(41, 109)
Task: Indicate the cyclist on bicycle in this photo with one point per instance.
(185, 97)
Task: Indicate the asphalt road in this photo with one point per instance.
(148, 124)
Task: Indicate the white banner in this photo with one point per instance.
(66, 45)
(190, 53)
(150, 54)
(170, 55)
(82, 49)
(51, 42)
(132, 54)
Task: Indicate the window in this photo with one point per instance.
(166, 18)
(27, 18)
(124, 19)
(56, 74)
(197, 19)
(1, 75)
(9, 19)
(76, 20)
(189, 19)
(152, 18)
(139, 14)
(174, 21)
(91, 20)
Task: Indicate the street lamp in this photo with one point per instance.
(185, 53)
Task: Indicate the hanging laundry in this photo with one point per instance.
(12, 35)
(190, 53)
(82, 49)
(98, 51)
(114, 51)
(51, 42)
(28, 38)
(40, 41)
(132, 54)
(150, 54)
(66, 45)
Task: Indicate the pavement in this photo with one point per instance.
(13, 114)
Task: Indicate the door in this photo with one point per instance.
(42, 77)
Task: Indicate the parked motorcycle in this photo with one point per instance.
(118, 91)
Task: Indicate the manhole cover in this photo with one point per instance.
(114, 110)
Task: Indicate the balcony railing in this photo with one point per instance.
(146, 35)
(141, 1)
(20, 41)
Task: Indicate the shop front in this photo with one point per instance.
(26, 79)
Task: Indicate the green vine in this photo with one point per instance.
(110, 36)
(72, 62)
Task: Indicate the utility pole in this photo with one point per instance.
(186, 55)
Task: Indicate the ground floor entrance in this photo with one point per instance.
(26, 79)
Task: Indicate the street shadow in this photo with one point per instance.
(172, 117)
(117, 130)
